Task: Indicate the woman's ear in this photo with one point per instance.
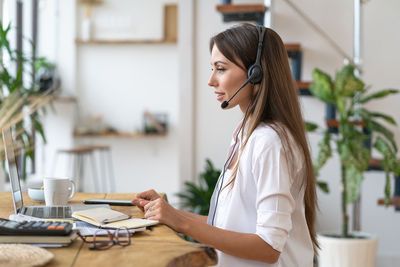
(256, 87)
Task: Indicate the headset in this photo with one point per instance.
(255, 72)
(254, 76)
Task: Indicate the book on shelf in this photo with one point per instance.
(42, 240)
(108, 218)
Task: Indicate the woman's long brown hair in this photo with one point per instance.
(275, 102)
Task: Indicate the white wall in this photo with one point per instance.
(116, 82)
(214, 126)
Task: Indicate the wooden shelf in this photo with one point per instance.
(394, 201)
(122, 42)
(64, 99)
(170, 32)
(116, 135)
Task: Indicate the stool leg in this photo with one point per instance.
(74, 170)
(81, 172)
(94, 172)
(111, 176)
(103, 171)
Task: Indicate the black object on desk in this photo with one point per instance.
(34, 228)
(112, 202)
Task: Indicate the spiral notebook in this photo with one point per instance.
(109, 218)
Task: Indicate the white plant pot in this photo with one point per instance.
(347, 252)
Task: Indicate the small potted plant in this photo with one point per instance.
(358, 131)
(196, 196)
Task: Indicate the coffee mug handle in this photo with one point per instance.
(73, 186)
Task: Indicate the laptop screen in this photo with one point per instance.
(12, 169)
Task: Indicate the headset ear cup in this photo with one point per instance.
(254, 74)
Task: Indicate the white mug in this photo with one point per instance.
(57, 191)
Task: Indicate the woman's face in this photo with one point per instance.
(226, 78)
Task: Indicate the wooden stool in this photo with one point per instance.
(105, 161)
(76, 159)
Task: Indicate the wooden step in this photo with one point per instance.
(230, 8)
(375, 164)
(394, 201)
(303, 86)
(332, 123)
(252, 12)
(293, 47)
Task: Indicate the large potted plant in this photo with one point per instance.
(358, 131)
(19, 99)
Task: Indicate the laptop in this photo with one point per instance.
(45, 212)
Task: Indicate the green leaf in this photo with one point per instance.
(374, 126)
(387, 190)
(346, 83)
(379, 94)
(390, 160)
(353, 182)
(324, 153)
(341, 106)
(310, 127)
(321, 87)
(38, 127)
(3, 38)
(323, 186)
(352, 152)
(385, 117)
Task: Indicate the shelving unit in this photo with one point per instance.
(170, 37)
(170, 32)
(132, 135)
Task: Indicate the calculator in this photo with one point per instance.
(38, 228)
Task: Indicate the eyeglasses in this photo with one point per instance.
(104, 239)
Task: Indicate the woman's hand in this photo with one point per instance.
(144, 198)
(163, 212)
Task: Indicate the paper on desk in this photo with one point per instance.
(87, 229)
(21, 217)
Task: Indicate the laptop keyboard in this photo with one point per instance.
(52, 212)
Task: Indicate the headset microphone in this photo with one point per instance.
(255, 73)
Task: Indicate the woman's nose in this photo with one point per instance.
(211, 81)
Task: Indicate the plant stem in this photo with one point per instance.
(345, 217)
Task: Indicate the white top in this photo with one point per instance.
(267, 201)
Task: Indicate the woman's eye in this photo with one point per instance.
(221, 69)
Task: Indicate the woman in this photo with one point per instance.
(263, 207)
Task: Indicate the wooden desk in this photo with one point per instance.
(159, 247)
